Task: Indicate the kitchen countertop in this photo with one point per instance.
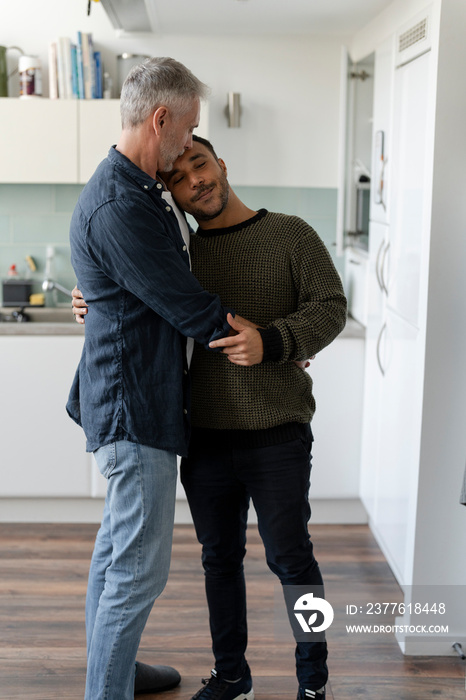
(44, 321)
(19, 329)
(59, 321)
(353, 329)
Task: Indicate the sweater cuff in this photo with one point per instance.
(273, 344)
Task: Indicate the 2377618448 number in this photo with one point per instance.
(397, 609)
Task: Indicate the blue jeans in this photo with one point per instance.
(130, 563)
(219, 484)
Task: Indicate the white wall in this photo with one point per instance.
(289, 88)
(441, 519)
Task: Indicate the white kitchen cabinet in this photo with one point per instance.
(38, 141)
(410, 215)
(398, 439)
(60, 141)
(99, 127)
(42, 449)
(337, 373)
(356, 280)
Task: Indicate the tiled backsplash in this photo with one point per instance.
(33, 217)
(317, 206)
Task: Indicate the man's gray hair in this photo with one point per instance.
(156, 82)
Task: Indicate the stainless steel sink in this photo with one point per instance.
(37, 315)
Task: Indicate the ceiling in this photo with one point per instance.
(244, 17)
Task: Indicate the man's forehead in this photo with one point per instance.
(190, 156)
(198, 150)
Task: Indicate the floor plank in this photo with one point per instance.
(43, 578)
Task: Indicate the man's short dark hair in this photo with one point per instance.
(207, 144)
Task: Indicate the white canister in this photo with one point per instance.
(126, 61)
(30, 76)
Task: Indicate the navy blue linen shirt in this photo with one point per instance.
(132, 266)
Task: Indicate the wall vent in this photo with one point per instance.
(413, 39)
(413, 35)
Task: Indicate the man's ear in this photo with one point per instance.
(223, 166)
(159, 119)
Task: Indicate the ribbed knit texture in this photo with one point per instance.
(275, 271)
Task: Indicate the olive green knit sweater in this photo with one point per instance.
(274, 270)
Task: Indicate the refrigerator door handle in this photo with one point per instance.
(382, 268)
(377, 266)
(379, 340)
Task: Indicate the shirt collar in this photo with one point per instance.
(210, 232)
(144, 180)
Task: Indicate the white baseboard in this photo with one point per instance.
(89, 510)
(440, 645)
(338, 511)
(51, 510)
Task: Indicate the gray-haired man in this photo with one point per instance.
(131, 390)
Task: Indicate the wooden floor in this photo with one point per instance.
(43, 578)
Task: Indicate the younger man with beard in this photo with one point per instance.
(251, 436)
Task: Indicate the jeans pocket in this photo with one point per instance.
(106, 459)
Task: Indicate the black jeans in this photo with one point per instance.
(219, 484)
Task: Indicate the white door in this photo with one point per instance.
(399, 428)
(409, 213)
(373, 377)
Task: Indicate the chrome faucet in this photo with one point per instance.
(49, 284)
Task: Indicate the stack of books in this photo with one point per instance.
(75, 70)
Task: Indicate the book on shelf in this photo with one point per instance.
(75, 70)
(92, 66)
(99, 76)
(86, 61)
(53, 74)
(79, 62)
